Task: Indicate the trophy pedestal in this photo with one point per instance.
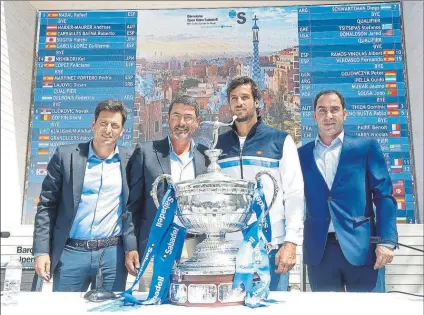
(204, 291)
(207, 278)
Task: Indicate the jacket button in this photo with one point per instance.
(328, 219)
(329, 198)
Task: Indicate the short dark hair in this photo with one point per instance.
(236, 82)
(185, 100)
(111, 105)
(326, 92)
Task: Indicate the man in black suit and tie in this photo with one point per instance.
(79, 213)
(176, 155)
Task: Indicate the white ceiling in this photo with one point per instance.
(143, 4)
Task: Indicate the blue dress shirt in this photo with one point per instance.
(100, 207)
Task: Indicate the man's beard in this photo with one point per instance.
(180, 133)
(247, 117)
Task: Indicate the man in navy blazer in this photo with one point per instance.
(344, 177)
(79, 215)
(176, 155)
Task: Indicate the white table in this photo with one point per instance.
(289, 303)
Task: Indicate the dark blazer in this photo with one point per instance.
(361, 180)
(60, 196)
(148, 161)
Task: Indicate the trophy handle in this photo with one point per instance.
(274, 181)
(154, 191)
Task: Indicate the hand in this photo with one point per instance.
(384, 256)
(42, 267)
(285, 259)
(132, 262)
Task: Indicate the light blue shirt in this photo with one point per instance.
(327, 158)
(101, 201)
(182, 167)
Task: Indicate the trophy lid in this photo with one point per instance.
(214, 175)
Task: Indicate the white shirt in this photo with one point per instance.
(287, 214)
(182, 167)
(327, 158)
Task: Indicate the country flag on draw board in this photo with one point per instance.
(42, 165)
(41, 169)
(43, 144)
(48, 65)
(43, 137)
(399, 188)
(43, 151)
(395, 131)
(401, 204)
(48, 81)
(52, 15)
(389, 52)
(390, 76)
(51, 39)
(46, 114)
(51, 27)
(401, 220)
(394, 147)
(388, 33)
(49, 58)
(397, 166)
(391, 92)
(393, 109)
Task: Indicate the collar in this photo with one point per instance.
(92, 154)
(257, 126)
(340, 138)
(192, 147)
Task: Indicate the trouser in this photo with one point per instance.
(77, 269)
(335, 273)
(279, 282)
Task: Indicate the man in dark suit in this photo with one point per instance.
(79, 213)
(176, 155)
(343, 177)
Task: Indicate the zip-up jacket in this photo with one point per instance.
(266, 148)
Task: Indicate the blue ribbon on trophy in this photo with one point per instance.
(165, 243)
(253, 257)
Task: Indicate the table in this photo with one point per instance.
(289, 303)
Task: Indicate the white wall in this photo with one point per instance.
(18, 24)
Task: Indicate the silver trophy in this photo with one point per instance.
(213, 204)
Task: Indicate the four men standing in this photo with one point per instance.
(90, 185)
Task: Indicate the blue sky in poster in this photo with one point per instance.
(168, 33)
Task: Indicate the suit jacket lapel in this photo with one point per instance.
(124, 156)
(79, 163)
(162, 149)
(344, 155)
(313, 165)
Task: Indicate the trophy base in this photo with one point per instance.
(204, 291)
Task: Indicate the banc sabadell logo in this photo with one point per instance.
(241, 16)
